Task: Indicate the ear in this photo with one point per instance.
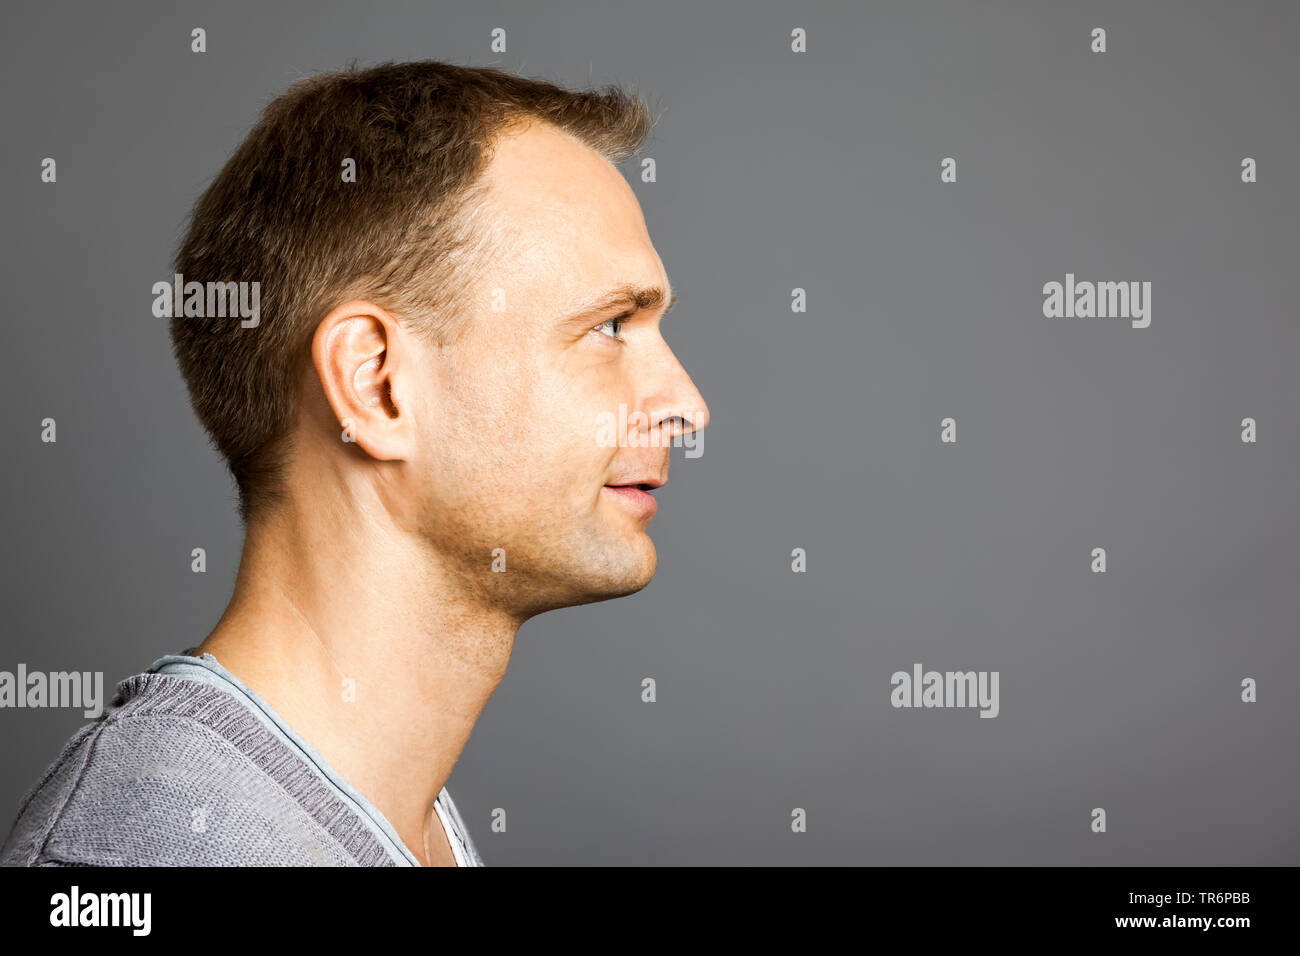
(359, 351)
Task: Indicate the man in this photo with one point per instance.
(457, 296)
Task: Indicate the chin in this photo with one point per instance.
(643, 575)
(596, 567)
(614, 579)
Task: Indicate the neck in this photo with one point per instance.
(372, 649)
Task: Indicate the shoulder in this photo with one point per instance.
(167, 776)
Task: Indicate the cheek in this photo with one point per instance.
(583, 407)
(528, 432)
(506, 431)
(549, 443)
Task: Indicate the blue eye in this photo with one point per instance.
(615, 325)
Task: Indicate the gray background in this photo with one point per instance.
(821, 170)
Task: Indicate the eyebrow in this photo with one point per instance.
(629, 296)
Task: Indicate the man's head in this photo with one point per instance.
(433, 350)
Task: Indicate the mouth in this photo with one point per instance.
(636, 496)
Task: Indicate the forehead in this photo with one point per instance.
(572, 224)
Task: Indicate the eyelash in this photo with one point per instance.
(619, 320)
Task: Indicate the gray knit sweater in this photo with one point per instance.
(179, 771)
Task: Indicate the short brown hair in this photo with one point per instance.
(402, 235)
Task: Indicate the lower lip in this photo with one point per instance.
(639, 501)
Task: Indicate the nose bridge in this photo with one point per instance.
(671, 398)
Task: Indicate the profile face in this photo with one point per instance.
(516, 440)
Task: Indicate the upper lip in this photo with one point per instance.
(649, 482)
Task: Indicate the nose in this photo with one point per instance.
(678, 408)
